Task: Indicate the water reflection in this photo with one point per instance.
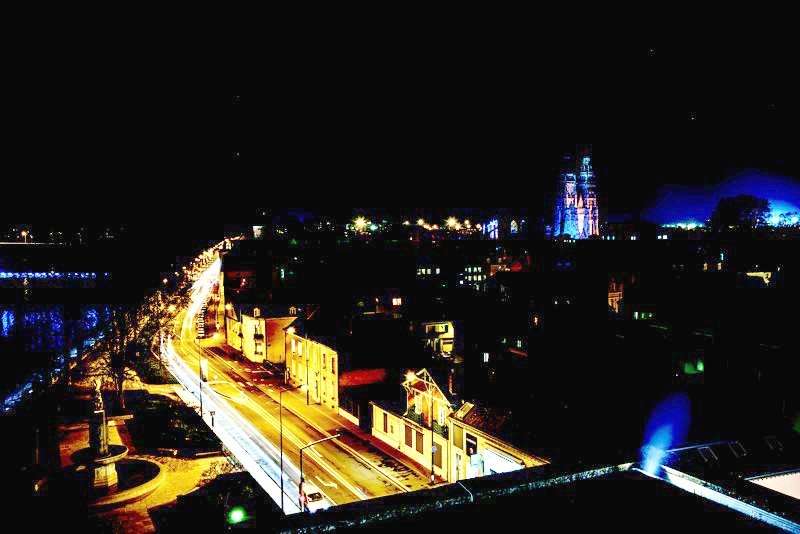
(49, 328)
(64, 332)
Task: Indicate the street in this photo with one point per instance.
(247, 398)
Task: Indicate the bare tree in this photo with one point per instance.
(127, 339)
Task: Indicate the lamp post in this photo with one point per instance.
(24, 234)
(308, 386)
(280, 424)
(303, 448)
(286, 332)
(433, 442)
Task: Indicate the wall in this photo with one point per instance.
(322, 372)
(276, 340)
(460, 469)
(253, 338)
(396, 437)
(232, 329)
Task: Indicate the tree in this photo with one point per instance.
(742, 212)
(128, 337)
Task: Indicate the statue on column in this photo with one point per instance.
(98, 426)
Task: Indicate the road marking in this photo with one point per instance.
(327, 484)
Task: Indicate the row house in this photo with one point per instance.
(315, 365)
(455, 443)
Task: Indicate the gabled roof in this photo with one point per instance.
(423, 382)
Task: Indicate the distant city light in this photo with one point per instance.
(685, 225)
(451, 222)
(420, 222)
(360, 224)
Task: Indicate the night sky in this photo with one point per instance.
(420, 123)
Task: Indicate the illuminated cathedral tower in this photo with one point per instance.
(576, 203)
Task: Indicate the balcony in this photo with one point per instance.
(439, 429)
(418, 418)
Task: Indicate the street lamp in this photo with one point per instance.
(302, 480)
(286, 333)
(280, 424)
(360, 224)
(308, 384)
(24, 235)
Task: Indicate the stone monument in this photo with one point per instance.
(104, 457)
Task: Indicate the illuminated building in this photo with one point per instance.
(439, 337)
(512, 224)
(453, 444)
(576, 205)
(309, 362)
(615, 293)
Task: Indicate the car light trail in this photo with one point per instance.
(246, 444)
(256, 453)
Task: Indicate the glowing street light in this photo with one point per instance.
(420, 222)
(360, 224)
(236, 515)
(451, 222)
(24, 235)
(411, 375)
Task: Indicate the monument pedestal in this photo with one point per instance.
(104, 477)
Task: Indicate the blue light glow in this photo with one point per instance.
(695, 203)
(668, 426)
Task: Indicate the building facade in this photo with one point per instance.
(576, 214)
(452, 444)
(315, 365)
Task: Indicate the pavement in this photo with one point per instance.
(181, 476)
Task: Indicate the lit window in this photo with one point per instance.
(397, 301)
(438, 270)
(485, 357)
(429, 271)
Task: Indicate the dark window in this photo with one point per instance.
(437, 456)
(458, 437)
(472, 445)
(409, 437)
(420, 444)
(385, 423)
